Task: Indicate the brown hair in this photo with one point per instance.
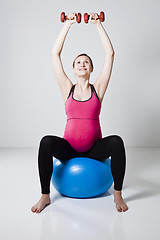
(83, 54)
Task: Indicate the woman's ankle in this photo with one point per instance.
(45, 195)
(117, 193)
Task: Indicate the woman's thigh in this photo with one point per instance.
(57, 147)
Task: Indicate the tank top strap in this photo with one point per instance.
(94, 90)
(72, 89)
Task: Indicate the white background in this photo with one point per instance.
(31, 104)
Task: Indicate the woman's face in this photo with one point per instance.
(82, 66)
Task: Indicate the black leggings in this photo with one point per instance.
(61, 149)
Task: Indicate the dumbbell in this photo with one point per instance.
(101, 17)
(64, 17)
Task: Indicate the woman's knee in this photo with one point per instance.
(46, 140)
(116, 140)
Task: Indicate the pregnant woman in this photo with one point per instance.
(82, 135)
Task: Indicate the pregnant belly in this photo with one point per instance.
(82, 133)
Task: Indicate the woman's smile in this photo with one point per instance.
(82, 69)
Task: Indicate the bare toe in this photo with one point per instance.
(125, 208)
(38, 210)
(43, 202)
(119, 209)
(33, 209)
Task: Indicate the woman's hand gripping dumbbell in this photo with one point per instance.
(93, 17)
(73, 17)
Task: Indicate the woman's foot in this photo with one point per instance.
(120, 204)
(42, 203)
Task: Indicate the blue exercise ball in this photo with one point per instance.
(82, 177)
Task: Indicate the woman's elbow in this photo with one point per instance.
(112, 53)
(55, 52)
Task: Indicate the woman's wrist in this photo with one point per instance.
(68, 23)
(98, 24)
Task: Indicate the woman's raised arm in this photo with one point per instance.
(58, 45)
(102, 81)
(64, 82)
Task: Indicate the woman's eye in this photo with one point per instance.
(79, 62)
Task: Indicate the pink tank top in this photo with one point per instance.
(83, 127)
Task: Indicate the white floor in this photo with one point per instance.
(68, 218)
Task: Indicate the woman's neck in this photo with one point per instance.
(82, 83)
(83, 86)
